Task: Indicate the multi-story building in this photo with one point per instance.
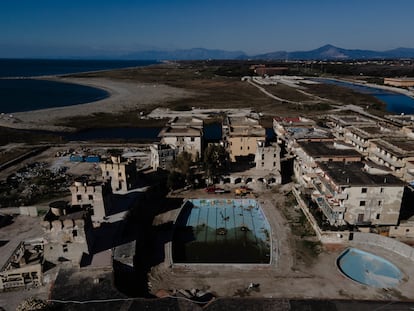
(162, 156)
(121, 173)
(186, 139)
(95, 197)
(241, 135)
(347, 194)
(267, 156)
(339, 123)
(395, 153)
(360, 136)
(307, 154)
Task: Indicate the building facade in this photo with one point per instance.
(241, 136)
(349, 195)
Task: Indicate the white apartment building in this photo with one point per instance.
(347, 194)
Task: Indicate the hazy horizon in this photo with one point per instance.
(76, 28)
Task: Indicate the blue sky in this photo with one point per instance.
(58, 28)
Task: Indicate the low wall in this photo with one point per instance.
(384, 242)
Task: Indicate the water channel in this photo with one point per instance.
(395, 102)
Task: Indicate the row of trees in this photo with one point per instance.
(187, 171)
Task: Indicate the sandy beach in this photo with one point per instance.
(124, 96)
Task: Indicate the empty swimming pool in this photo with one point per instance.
(368, 269)
(221, 231)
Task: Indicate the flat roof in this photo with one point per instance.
(368, 132)
(180, 131)
(352, 119)
(327, 149)
(399, 147)
(352, 173)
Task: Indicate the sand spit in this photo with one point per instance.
(124, 96)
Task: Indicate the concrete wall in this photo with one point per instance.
(384, 242)
(383, 201)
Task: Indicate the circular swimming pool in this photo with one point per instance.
(368, 269)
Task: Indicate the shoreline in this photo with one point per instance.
(123, 96)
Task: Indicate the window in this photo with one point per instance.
(379, 203)
(65, 248)
(378, 216)
(262, 156)
(248, 147)
(274, 164)
(241, 147)
(107, 173)
(90, 197)
(192, 139)
(79, 197)
(75, 233)
(363, 190)
(362, 203)
(119, 174)
(274, 155)
(262, 164)
(381, 190)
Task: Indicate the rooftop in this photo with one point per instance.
(353, 174)
(180, 131)
(371, 131)
(400, 147)
(347, 120)
(328, 149)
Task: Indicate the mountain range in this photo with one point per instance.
(326, 52)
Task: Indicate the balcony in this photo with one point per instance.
(330, 209)
(387, 159)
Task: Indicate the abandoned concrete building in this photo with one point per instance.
(65, 235)
(121, 173)
(24, 267)
(94, 197)
(162, 156)
(396, 153)
(241, 135)
(346, 193)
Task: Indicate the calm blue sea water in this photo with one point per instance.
(41, 67)
(19, 93)
(396, 103)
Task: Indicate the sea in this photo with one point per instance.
(20, 92)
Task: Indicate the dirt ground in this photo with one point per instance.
(295, 271)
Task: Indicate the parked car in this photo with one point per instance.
(214, 189)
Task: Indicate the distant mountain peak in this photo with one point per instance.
(331, 52)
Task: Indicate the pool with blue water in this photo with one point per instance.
(369, 269)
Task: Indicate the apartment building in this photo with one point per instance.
(360, 136)
(241, 136)
(308, 154)
(267, 156)
(162, 156)
(339, 123)
(348, 194)
(396, 153)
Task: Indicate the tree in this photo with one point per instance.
(215, 161)
(181, 165)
